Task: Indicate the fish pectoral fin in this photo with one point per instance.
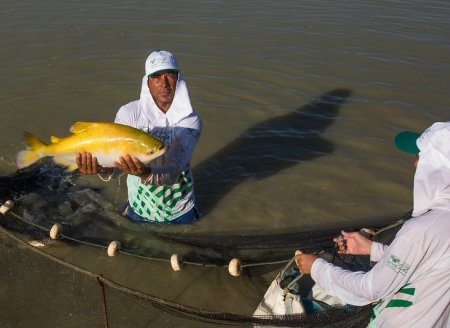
(69, 165)
(79, 127)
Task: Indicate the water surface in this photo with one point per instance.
(300, 102)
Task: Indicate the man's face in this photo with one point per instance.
(162, 87)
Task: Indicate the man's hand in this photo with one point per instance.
(132, 165)
(87, 164)
(305, 262)
(353, 243)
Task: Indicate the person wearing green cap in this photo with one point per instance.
(163, 190)
(406, 141)
(410, 282)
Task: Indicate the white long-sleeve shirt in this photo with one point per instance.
(169, 191)
(411, 277)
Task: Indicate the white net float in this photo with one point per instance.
(55, 231)
(235, 267)
(113, 248)
(175, 262)
(36, 243)
(9, 204)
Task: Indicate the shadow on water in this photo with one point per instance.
(268, 148)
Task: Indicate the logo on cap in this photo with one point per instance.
(159, 61)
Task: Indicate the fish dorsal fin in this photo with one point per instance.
(79, 127)
(54, 139)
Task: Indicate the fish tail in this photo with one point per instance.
(32, 153)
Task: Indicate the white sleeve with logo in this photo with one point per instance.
(389, 275)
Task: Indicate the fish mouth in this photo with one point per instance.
(150, 157)
(162, 150)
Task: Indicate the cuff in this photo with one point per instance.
(377, 251)
(316, 268)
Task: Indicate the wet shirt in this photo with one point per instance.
(169, 191)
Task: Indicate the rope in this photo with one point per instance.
(393, 225)
(62, 236)
(105, 311)
(170, 307)
(282, 272)
(242, 266)
(186, 310)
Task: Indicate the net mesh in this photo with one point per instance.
(39, 289)
(61, 294)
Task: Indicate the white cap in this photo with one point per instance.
(160, 60)
(434, 144)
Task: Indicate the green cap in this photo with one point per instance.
(406, 141)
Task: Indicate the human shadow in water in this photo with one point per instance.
(269, 147)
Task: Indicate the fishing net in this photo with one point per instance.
(40, 287)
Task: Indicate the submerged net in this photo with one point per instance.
(40, 289)
(90, 300)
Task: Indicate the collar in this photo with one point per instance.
(181, 105)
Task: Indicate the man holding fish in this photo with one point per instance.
(161, 191)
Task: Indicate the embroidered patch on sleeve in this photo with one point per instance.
(395, 264)
(403, 268)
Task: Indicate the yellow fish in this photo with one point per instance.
(106, 141)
